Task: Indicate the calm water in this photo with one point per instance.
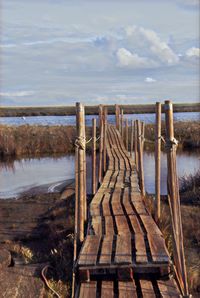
(49, 173)
(71, 120)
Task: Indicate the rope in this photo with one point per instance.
(80, 142)
(46, 281)
(171, 144)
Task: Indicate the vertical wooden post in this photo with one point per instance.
(140, 159)
(100, 143)
(132, 132)
(80, 179)
(94, 183)
(105, 111)
(174, 200)
(126, 134)
(122, 124)
(136, 143)
(157, 161)
(117, 111)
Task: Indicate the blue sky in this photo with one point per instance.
(60, 52)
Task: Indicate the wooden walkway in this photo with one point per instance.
(124, 252)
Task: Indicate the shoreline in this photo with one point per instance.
(6, 111)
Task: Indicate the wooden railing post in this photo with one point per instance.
(131, 143)
(100, 144)
(94, 183)
(80, 174)
(136, 143)
(126, 134)
(105, 111)
(117, 111)
(122, 124)
(140, 158)
(157, 161)
(174, 200)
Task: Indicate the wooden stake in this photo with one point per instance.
(94, 183)
(100, 143)
(157, 161)
(140, 158)
(104, 139)
(136, 143)
(132, 132)
(80, 179)
(117, 111)
(174, 200)
(126, 134)
(122, 124)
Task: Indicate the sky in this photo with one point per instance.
(131, 51)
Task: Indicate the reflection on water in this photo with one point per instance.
(71, 120)
(19, 176)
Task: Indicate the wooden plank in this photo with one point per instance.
(147, 289)
(140, 207)
(127, 289)
(89, 251)
(127, 204)
(88, 289)
(116, 203)
(109, 227)
(150, 225)
(107, 289)
(158, 249)
(106, 204)
(122, 225)
(106, 250)
(95, 210)
(135, 224)
(123, 250)
(96, 225)
(141, 255)
(168, 288)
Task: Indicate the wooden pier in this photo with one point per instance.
(123, 253)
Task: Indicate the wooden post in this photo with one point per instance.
(122, 124)
(140, 159)
(117, 111)
(136, 143)
(94, 183)
(157, 161)
(80, 179)
(105, 111)
(174, 200)
(100, 143)
(132, 132)
(126, 134)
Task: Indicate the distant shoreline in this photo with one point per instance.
(6, 111)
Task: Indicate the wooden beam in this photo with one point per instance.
(94, 183)
(157, 161)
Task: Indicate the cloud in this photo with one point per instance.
(193, 52)
(150, 80)
(148, 41)
(16, 94)
(132, 60)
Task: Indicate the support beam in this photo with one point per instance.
(140, 158)
(94, 183)
(131, 143)
(136, 144)
(101, 144)
(104, 139)
(157, 161)
(117, 112)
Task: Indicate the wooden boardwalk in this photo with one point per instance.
(124, 252)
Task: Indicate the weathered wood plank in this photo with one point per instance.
(141, 255)
(106, 250)
(127, 289)
(107, 289)
(168, 288)
(122, 225)
(123, 252)
(106, 204)
(109, 226)
(89, 251)
(147, 289)
(88, 289)
(158, 249)
(135, 224)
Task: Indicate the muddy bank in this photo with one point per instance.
(37, 232)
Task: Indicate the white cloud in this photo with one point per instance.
(149, 41)
(150, 80)
(193, 52)
(16, 94)
(132, 60)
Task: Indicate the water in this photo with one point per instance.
(71, 120)
(49, 173)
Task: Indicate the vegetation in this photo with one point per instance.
(29, 141)
(189, 192)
